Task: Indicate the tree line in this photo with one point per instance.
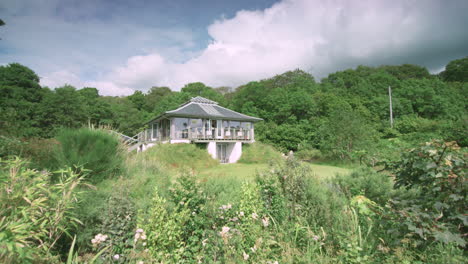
(345, 114)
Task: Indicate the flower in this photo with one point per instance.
(144, 243)
(241, 214)
(225, 207)
(98, 239)
(255, 216)
(254, 248)
(139, 230)
(116, 257)
(140, 262)
(265, 221)
(245, 255)
(315, 237)
(204, 242)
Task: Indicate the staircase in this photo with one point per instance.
(131, 142)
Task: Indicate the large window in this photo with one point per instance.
(227, 132)
(155, 130)
(245, 130)
(181, 128)
(235, 128)
(196, 127)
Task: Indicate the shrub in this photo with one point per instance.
(259, 153)
(35, 213)
(94, 150)
(309, 154)
(365, 181)
(438, 212)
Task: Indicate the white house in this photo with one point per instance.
(202, 121)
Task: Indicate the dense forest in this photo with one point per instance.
(344, 116)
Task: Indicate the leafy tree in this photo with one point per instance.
(456, 71)
(154, 96)
(346, 133)
(63, 107)
(200, 89)
(20, 94)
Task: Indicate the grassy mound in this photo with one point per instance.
(180, 156)
(259, 153)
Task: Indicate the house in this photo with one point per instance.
(201, 120)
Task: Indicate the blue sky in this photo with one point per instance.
(121, 46)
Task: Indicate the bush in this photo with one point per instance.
(438, 169)
(94, 150)
(309, 154)
(375, 186)
(35, 214)
(259, 153)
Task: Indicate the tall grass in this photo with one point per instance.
(259, 153)
(95, 150)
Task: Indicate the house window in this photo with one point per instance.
(235, 129)
(181, 128)
(196, 127)
(155, 130)
(227, 132)
(245, 130)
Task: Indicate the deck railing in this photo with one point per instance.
(196, 136)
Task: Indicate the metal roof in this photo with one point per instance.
(205, 108)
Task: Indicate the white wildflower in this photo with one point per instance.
(139, 230)
(204, 242)
(245, 255)
(265, 221)
(144, 244)
(241, 214)
(116, 257)
(315, 237)
(255, 216)
(140, 262)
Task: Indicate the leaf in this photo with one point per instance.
(449, 237)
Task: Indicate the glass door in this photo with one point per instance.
(221, 153)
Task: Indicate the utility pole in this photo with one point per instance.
(391, 110)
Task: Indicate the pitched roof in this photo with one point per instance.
(205, 108)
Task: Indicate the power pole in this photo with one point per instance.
(391, 110)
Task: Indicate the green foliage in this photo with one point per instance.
(456, 71)
(180, 156)
(346, 134)
(35, 213)
(438, 170)
(259, 153)
(375, 186)
(163, 230)
(94, 150)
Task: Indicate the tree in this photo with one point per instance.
(200, 89)
(20, 94)
(346, 133)
(154, 96)
(456, 71)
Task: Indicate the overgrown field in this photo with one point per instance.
(174, 204)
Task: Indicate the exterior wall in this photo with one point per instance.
(144, 147)
(212, 149)
(234, 150)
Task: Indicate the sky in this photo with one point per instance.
(121, 46)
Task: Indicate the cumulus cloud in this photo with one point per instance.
(317, 36)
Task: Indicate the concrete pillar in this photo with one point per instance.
(235, 152)
(212, 149)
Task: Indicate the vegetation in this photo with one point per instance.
(69, 193)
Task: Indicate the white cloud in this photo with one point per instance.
(318, 36)
(314, 35)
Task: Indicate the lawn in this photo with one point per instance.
(242, 171)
